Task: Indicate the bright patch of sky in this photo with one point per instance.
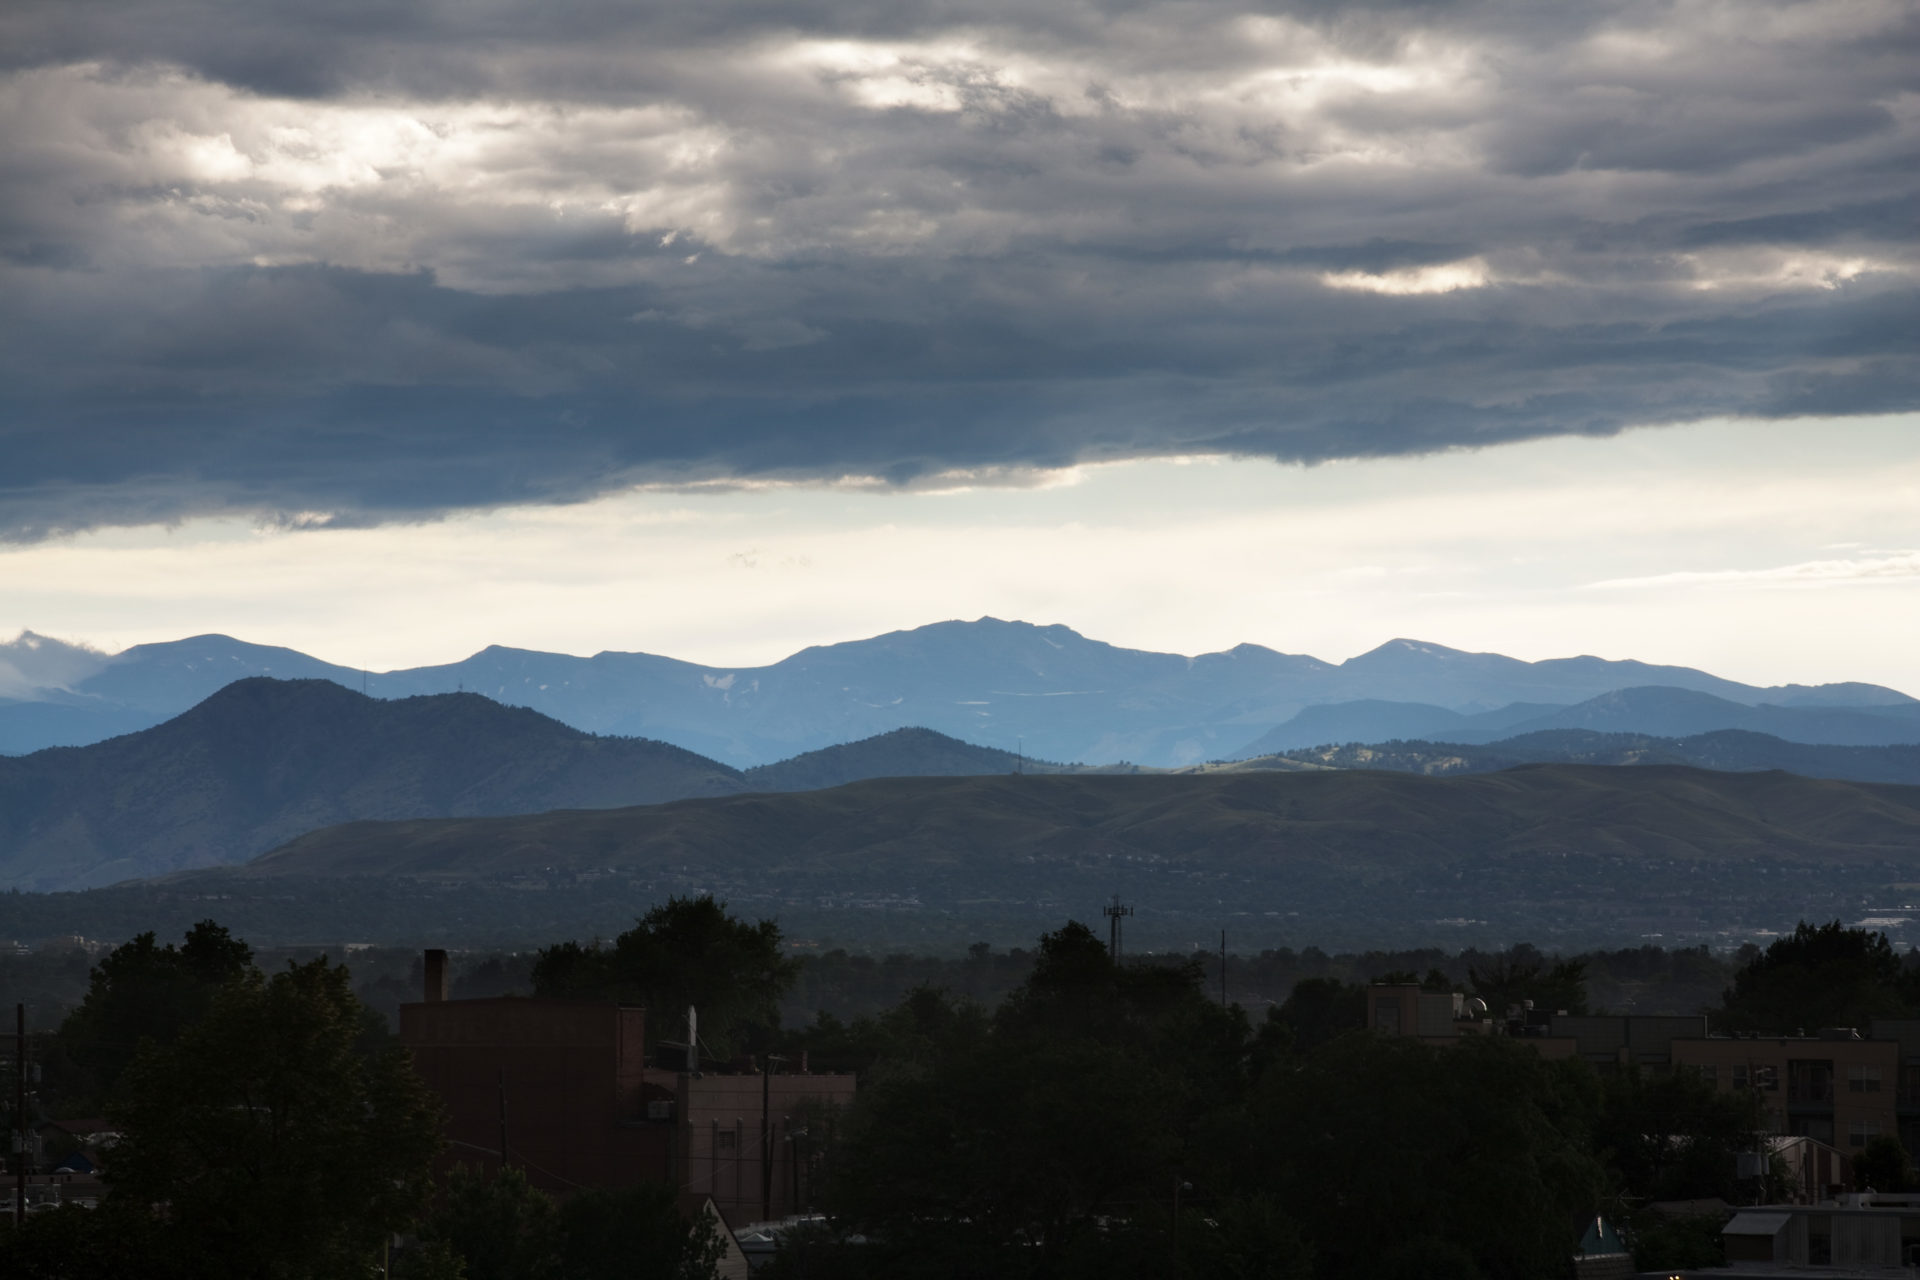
(1766, 552)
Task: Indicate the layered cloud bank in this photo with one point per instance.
(339, 265)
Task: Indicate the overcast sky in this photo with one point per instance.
(391, 330)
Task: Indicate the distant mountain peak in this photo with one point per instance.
(32, 661)
(1424, 648)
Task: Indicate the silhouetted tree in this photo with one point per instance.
(686, 952)
(500, 1227)
(1315, 1011)
(1882, 1165)
(1674, 1135)
(1818, 975)
(276, 1145)
(1081, 1103)
(1398, 1159)
(1523, 974)
(635, 1233)
(143, 991)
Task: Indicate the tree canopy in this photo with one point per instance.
(501, 1227)
(689, 951)
(1079, 1102)
(277, 1145)
(143, 991)
(1820, 975)
(1111, 1120)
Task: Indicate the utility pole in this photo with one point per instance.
(20, 1115)
(503, 1120)
(766, 1135)
(1113, 911)
(1223, 968)
(1179, 1184)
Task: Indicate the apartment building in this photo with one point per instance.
(1836, 1087)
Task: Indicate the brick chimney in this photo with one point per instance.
(436, 975)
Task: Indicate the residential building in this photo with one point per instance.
(1836, 1087)
(1406, 1009)
(1859, 1232)
(1616, 1041)
(1904, 1032)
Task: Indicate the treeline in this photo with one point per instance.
(1117, 1120)
(847, 985)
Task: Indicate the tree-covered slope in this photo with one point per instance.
(263, 761)
(1727, 750)
(984, 832)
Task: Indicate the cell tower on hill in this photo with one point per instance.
(1114, 911)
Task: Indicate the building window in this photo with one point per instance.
(1819, 1128)
(1767, 1078)
(1740, 1079)
(1386, 1017)
(1710, 1074)
(1863, 1079)
(1860, 1132)
(724, 1139)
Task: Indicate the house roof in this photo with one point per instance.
(1756, 1224)
(83, 1128)
(1597, 1237)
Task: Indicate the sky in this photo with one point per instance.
(391, 331)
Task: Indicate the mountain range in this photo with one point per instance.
(1041, 690)
(262, 761)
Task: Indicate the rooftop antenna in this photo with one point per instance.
(1113, 911)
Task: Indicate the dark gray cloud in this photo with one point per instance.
(386, 261)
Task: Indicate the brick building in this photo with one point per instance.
(565, 1088)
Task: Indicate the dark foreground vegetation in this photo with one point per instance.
(1099, 1119)
(847, 984)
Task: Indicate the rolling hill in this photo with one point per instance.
(903, 753)
(971, 830)
(1726, 750)
(1654, 711)
(1545, 852)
